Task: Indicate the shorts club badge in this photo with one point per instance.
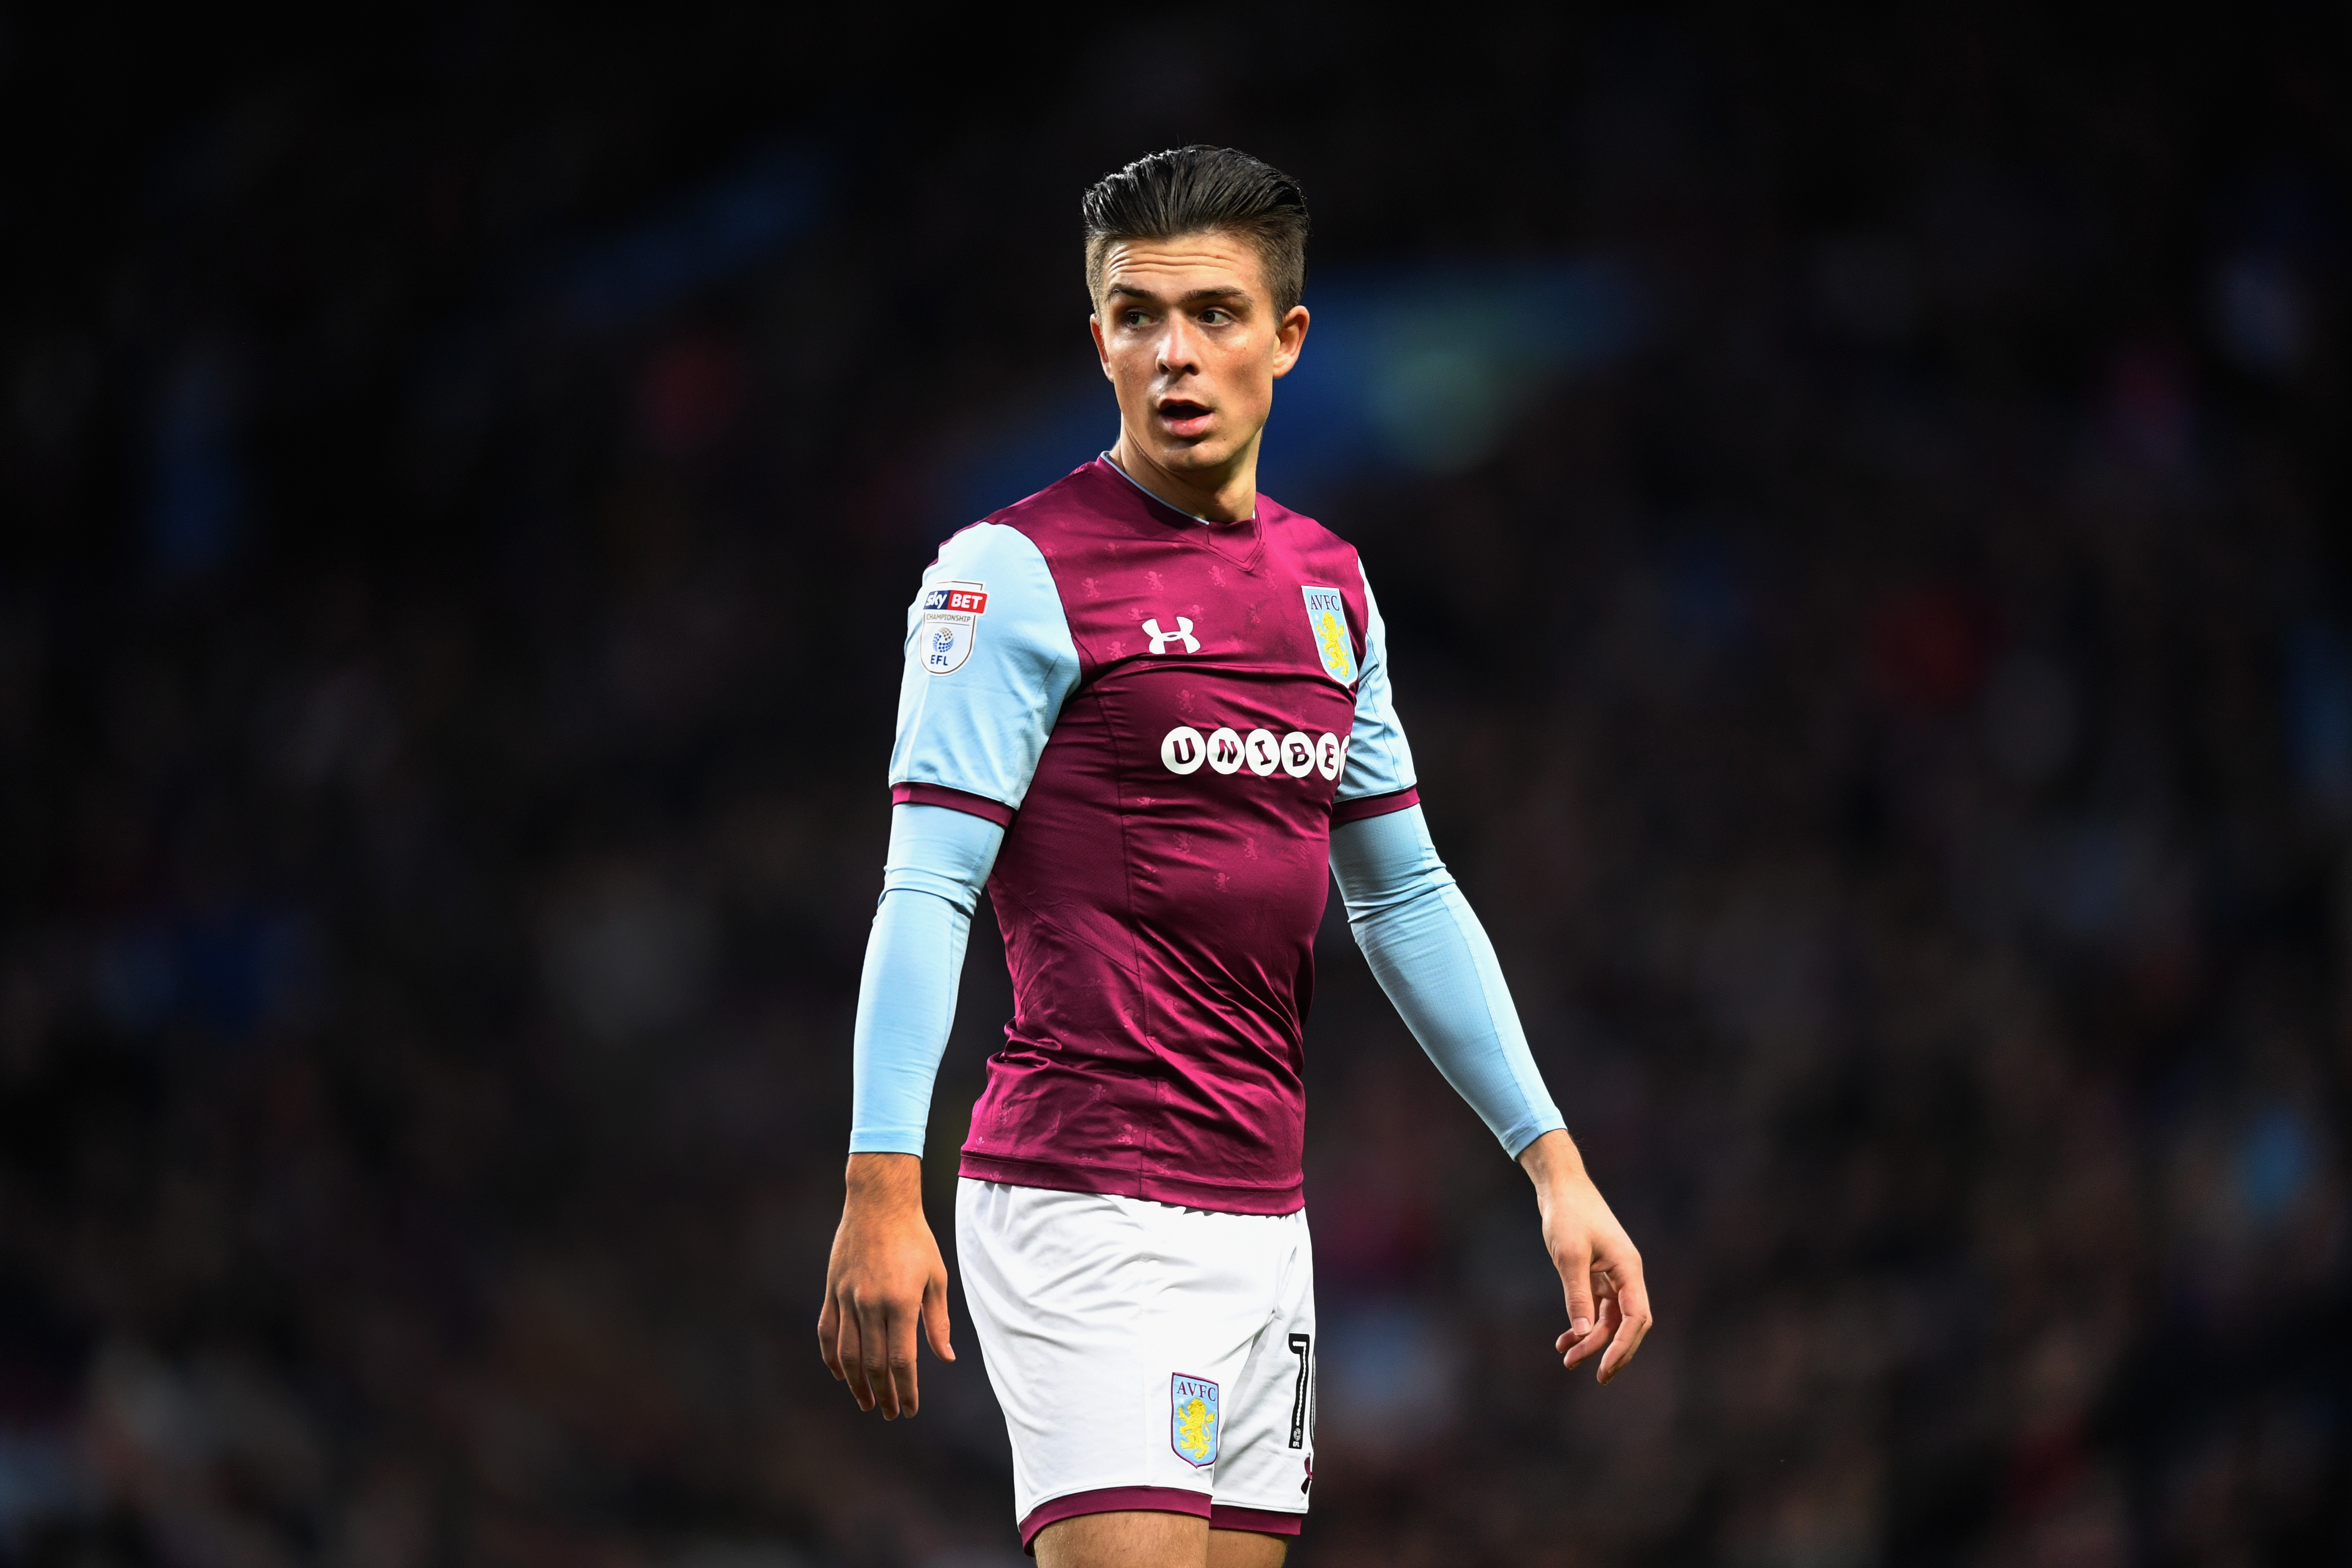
(1193, 1419)
(950, 626)
(1327, 617)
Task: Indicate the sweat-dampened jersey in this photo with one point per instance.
(1167, 716)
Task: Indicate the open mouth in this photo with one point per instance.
(1183, 417)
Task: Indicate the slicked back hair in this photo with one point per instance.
(1197, 190)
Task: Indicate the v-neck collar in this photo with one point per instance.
(1237, 542)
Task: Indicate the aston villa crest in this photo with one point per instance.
(1193, 1419)
(1327, 617)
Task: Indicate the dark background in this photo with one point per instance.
(1860, 510)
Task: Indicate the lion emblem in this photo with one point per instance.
(1327, 620)
(1193, 1419)
(1334, 641)
(1196, 1428)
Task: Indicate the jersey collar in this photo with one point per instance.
(1112, 464)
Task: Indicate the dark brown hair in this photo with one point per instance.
(1195, 190)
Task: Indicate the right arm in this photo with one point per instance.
(977, 699)
(885, 1272)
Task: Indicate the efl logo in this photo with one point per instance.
(949, 626)
(1184, 749)
(969, 600)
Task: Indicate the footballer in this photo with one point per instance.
(1146, 708)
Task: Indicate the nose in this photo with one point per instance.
(1177, 353)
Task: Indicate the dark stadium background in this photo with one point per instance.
(1861, 509)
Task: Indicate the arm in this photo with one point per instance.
(982, 685)
(886, 1273)
(939, 859)
(1432, 956)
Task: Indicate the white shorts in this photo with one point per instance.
(1146, 1356)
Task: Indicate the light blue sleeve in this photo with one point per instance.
(1432, 956)
(983, 686)
(1379, 760)
(939, 859)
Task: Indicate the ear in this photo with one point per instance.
(1288, 339)
(1093, 327)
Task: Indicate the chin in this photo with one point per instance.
(1208, 452)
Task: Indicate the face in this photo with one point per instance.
(1189, 338)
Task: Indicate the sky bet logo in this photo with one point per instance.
(962, 600)
(950, 624)
(1184, 749)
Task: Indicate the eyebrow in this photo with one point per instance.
(1192, 297)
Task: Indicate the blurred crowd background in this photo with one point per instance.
(1860, 514)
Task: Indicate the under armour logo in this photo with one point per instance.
(1183, 633)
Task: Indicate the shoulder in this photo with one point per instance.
(1084, 504)
(981, 547)
(1319, 556)
(1305, 538)
(991, 575)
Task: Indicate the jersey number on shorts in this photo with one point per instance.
(1303, 1347)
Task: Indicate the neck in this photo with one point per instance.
(1227, 493)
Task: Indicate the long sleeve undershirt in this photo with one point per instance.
(1430, 955)
(1417, 931)
(931, 878)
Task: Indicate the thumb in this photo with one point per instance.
(1576, 1274)
(935, 1320)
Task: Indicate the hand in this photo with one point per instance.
(886, 1273)
(1607, 1303)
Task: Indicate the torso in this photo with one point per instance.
(1160, 887)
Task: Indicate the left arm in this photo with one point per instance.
(1432, 956)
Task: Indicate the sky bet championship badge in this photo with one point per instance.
(1327, 614)
(1193, 1419)
(951, 624)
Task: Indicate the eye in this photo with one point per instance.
(1216, 316)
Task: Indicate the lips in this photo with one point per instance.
(1184, 418)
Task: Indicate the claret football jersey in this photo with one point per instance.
(1167, 716)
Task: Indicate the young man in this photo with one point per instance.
(1146, 708)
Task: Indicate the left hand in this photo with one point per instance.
(1608, 1304)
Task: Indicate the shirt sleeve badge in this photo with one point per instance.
(950, 624)
(1327, 617)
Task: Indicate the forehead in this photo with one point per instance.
(1166, 269)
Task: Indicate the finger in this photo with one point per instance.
(1604, 1323)
(935, 1320)
(903, 1326)
(874, 1357)
(1603, 1297)
(852, 1356)
(1576, 1273)
(1579, 1347)
(828, 1335)
(1635, 1330)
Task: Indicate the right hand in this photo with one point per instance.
(884, 1275)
